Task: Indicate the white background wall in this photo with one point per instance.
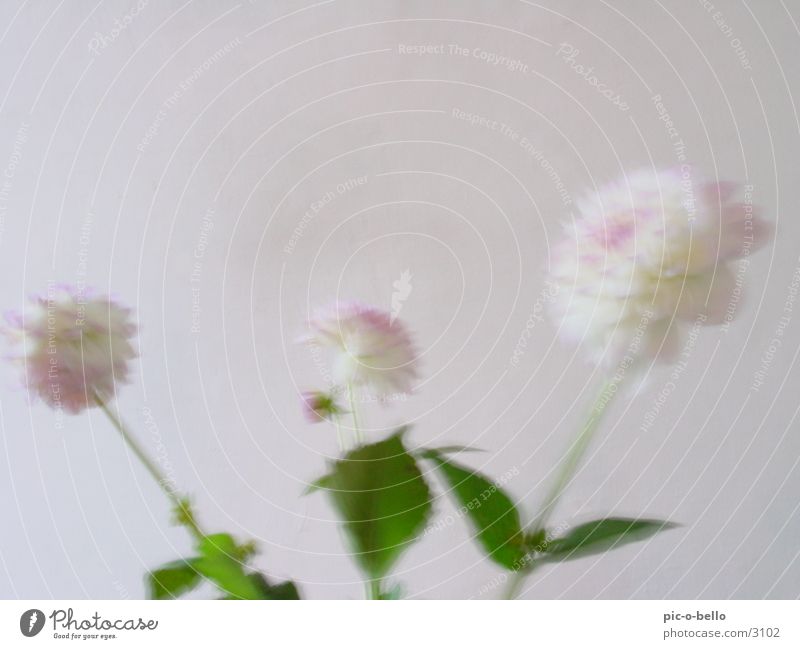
(310, 95)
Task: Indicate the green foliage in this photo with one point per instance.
(183, 514)
(221, 561)
(601, 535)
(173, 579)
(491, 512)
(283, 590)
(383, 500)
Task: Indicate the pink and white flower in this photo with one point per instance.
(367, 347)
(75, 347)
(644, 253)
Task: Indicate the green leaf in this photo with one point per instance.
(491, 512)
(172, 579)
(221, 561)
(383, 500)
(317, 485)
(601, 535)
(284, 590)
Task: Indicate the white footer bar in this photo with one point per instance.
(401, 624)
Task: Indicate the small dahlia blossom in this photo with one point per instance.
(369, 349)
(75, 348)
(644, 253)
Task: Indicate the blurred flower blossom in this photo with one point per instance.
(75, 347)
(368, 348)
(644, 250)
(319, 406)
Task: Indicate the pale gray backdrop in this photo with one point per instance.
(166, 152)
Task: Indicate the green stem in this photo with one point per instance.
(373, 589)
(516, 582)
(565, 474)
(160, 478)
(372, 586)
(339, 436)
(354, 412)
(573, 457)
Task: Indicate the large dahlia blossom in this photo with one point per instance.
(75, 347)
(368, 348)
(646, 252)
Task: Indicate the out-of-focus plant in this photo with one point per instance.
(75, 351)
(643, 254)
(379, 489)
